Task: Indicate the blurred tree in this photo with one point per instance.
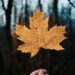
(22, 15)
(55, 11)
(15, 12)
(72, 2)
(71, 29)
(40, 5)
(70, 20)
(27, 23)
(50, 21)
(8, 12)
(53, 19)
(11, 66)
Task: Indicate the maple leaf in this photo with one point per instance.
(38, 36)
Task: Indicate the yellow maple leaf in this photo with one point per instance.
(38, 36)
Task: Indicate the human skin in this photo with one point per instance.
(40, 72)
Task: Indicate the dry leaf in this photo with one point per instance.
(38, 36)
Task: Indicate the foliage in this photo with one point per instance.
(38, 36)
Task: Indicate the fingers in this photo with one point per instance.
(34, 73)
(40, 72)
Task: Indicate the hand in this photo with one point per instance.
(40, 72)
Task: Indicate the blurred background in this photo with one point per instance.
(13, 62)
(63, 10)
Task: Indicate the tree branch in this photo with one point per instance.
(3, 5)
(71, 3)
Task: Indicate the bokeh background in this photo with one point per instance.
(13, 62)
(61, 9)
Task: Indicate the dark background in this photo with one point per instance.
(13, 62)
